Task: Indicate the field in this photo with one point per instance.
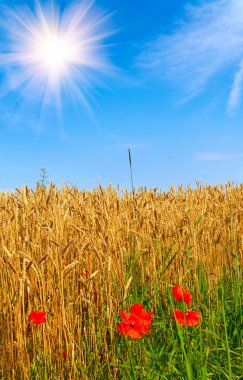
(84, 256)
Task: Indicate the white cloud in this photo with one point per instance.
(209, 41)
(235, 93)
(215, 156)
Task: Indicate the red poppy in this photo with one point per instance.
(189, 318)
(181, 294)
(131, 327)
(143, 316)
(37, 317)
(136, 323)
(86, 272)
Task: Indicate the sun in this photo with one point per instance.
(53, 52)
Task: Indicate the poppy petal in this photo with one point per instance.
(144, 316)
(137, 308)
(181, 294)
(179, 316)
(189, 318)
(193, 318)
(37, 317)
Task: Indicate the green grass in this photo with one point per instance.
(211, 350)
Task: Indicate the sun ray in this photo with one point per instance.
(50, 51)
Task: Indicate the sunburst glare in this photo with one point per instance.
(49, 52)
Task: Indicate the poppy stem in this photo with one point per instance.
(128, 346)
(188, 364)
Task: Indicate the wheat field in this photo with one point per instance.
(82, 256)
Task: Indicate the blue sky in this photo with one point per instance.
(167, 84)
